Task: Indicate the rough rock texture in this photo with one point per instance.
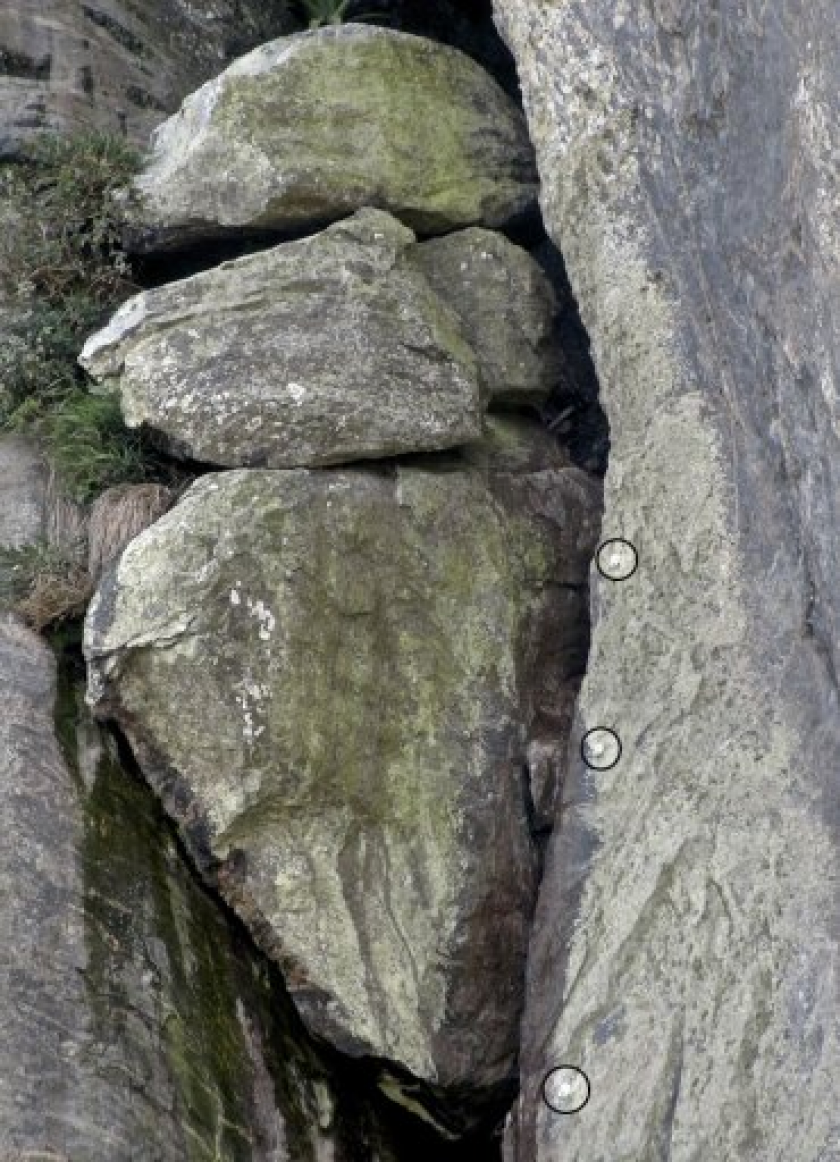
(309, 128)
(686, 952)
(506, 306)
(23, 492)
(117, 65)
(332, 677)
(314, 352)
(136, 1025)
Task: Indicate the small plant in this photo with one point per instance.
(62, 272)
(43, 584)
(321, 12)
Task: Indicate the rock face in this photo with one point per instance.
(687, 939)
(315, 352)
(113, 64)
(310, 128)
(332, 678)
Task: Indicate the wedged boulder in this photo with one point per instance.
(309, 128)
(687, 939)
(115, 65)
(137, 1023)
(507, 309)
(315, 352)
(332, 678)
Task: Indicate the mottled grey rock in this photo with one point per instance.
(687, 939)
(332, 677)
(136, 1024)
(311, 127)
(314, 352)
(116, 65)
(506, 306)
(23, 492)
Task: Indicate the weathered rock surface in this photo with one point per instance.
(116, 65)
(506, 306)
(332, 677)
(23, 492)
(136, 1025)
(314, 352)
(309, 128)
(687, 939)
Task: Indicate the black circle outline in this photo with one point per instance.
(577, 1069)
(594, 730)
(616, 541)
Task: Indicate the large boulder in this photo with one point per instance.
(115, 65)
(315, 352)
(332, 678)
(309, 128)
(687, 940)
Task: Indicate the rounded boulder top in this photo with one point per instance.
(306, 129)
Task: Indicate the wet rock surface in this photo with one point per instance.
(333, 677)
(136, 1025)
(686, 940)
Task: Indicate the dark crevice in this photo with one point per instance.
(23, 66)
(118, 32)
(573, 411)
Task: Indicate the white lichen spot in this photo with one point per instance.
(264, 617)
(298, 392)
(235, 599)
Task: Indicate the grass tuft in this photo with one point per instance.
(63, 271)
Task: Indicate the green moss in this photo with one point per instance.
(150, 927)
(357, 112)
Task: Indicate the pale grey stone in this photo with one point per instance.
(309, 128)
(23, 492)
(136, 1023)
(687, 939)
(315, 352)
(115, 65)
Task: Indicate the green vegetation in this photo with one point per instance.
(63, 270)
(321, 12)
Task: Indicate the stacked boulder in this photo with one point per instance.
(342, 655)
(136, 1022)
